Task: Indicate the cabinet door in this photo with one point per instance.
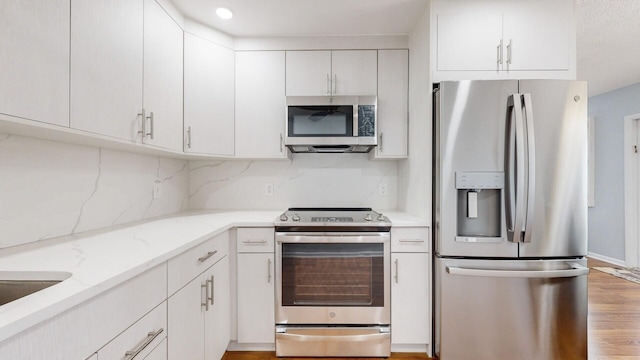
(162, 78)
(354, 72)
(34, 58)
(260, 104)
(393, 98)
(468, 41)
(256, 293)
(308, 73)
(410, 299)
(208, 97)
(106, 67)
(186, 321)
(218, 319)
(538, 35)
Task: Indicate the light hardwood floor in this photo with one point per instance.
(614, 322)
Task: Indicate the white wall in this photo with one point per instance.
(307, 180)
(606, 219)
(414, 173)
(50, 189)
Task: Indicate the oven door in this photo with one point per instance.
(332, 278)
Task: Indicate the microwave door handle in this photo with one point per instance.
(356, 131)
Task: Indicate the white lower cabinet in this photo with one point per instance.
(256, 317)
(199, 317)
(410, 289)
(255, 284)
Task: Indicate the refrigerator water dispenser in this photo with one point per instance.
(479, 206)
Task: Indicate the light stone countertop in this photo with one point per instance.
(100, 260)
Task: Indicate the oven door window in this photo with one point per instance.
(330, 274)
(320, 121)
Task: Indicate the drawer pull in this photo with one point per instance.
(411, 240)
(130, 355)
(249, 241)
(206, 257)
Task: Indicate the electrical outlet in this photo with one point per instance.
(268, 189)
(382, 189)
(157, 190)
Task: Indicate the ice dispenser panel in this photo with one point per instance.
(479, 206)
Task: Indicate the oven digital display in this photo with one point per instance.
(333, 274)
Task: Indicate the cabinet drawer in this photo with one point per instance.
(254, 240)
(140, 339)
(410, 239)
(191, 263)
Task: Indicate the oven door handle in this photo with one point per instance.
(375, 334)
(348, 237)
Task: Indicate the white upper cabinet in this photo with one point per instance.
(337, 72)
(106, 67)
(34, 60)
(467, 41)
(260, 104)
(498, 39)
(537, 35)
(163, 58)
(208, 97)
(308, 73)
(393, 101)
(355, 72)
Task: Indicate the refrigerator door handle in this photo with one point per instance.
(575, 270)
(515, 174)
(531, 167)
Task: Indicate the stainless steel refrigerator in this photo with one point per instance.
(510, 220)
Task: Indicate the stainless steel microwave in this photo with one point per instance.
(331, 124)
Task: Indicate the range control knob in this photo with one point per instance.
(368, 217)
(295, 217)
(380, 217)
(283, 217)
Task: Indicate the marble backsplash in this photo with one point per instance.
(50, 189)
(306, 180)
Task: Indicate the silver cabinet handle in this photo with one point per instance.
(328, 85)
(206, 257)
(257, 241)
(396, 276)
(380, 146)
(205, 303)
(150, 133)
(499, 55)
(411, 240)
(130, 355)
(575, 270)
(509, 53)
(334, 82)
(210, 296)
(268, 271)
(281, 142)
(142, 131)
(189, 137)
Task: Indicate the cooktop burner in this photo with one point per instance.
(339, 219)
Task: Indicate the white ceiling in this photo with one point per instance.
(275, 18)
(608, 31)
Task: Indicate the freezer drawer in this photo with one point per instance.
(510, 309)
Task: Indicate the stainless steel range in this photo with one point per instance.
(332, 283)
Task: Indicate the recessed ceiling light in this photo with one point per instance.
(224, 13)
